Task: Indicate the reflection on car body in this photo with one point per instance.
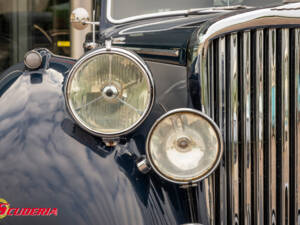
(175, 114)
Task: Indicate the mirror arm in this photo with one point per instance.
(93, 23)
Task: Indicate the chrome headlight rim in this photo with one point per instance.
(131, 56)
(209, 171)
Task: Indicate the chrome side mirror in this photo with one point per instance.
(80, 18)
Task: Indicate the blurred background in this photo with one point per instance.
(28, 24)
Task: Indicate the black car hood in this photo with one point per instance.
(168, 33)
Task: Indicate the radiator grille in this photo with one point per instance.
(254, 96)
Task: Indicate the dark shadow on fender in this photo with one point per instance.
(150, 189)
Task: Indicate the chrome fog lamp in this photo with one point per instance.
(184, 146)
(109, 92)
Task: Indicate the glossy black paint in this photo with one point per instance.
(167, 33)
(46, 160)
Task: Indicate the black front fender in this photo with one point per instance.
(47, 161)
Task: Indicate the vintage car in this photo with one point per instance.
(179, 112)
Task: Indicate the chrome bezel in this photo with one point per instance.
(210, 170)
(131, 56)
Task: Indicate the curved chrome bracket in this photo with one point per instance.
(108, 44)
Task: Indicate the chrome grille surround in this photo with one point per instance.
(247, 68)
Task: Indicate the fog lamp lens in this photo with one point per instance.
(184, 146)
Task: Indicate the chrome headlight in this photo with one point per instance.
(109, 92)
(184, 146)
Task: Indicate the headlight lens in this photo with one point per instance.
(109, 92)
(184, 146)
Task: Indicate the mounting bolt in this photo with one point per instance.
(110, 142)
(143, 166)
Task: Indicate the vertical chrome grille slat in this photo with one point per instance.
(254, 96)
(284, 123)
(294, 121)
(221, 118)
(205, 86)
(272, 176)
(212, 81)
(297, 132)
(258, 130)
(233, 126)
(222, 85)
(246, 126)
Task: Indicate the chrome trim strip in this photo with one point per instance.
(271, 82)
(132, 56)
(258, 135)
(246, 125)
(233, 136)
(285, 133)
(221, 122)
(297, 133)
(160, 14)
(204, 116)
(147, 28)
(154, 51)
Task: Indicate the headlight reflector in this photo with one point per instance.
(109, 92)
(184, 146)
